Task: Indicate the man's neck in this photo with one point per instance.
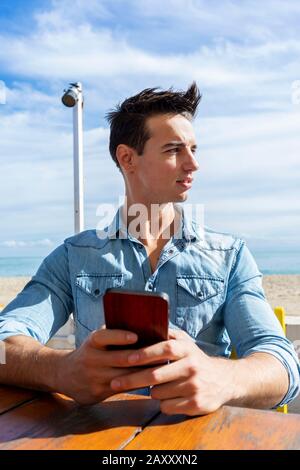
(152, 224)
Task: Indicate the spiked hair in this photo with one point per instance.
(128, 121)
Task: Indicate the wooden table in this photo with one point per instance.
(33, 420)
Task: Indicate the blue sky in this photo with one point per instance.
(245, 59)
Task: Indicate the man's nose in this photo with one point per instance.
(190, 162)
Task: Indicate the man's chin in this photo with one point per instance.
(181, 197)
(178, 198)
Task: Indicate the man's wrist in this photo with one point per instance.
(53, 360)
(233, 387)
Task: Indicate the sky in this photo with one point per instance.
(244, 56)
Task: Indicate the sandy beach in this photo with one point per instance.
(281, 290)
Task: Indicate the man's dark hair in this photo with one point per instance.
(128, 120)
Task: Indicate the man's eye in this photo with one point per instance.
(174, 150)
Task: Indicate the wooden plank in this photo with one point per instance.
(56, 422)
(10, 397)
(229, 428)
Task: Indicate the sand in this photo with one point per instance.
(281, 290)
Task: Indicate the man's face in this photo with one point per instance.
(164, 170)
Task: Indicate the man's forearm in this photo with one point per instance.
(259, 381)
(29, 364)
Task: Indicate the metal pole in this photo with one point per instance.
(78, 162)
(72, 98)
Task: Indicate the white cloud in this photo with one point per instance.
(20, 243)
(2, 92)
(25, 96)
(36, 192)
(64, 13)
(72, 49)
(243, 21)
(248, 126)
(97, 54)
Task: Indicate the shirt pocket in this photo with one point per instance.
(89, 298)
(197, 301)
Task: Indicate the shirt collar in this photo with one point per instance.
(188, 227)
(117, 226)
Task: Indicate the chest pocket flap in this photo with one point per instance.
(198, 300)
(96, 285)
(200, 288)
(90, 289)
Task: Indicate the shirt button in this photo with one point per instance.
(140, 247)
(150, 286)
(171, 251)
(96, 291)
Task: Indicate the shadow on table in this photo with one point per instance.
(56, 416)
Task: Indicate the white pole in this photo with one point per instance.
(78, 162)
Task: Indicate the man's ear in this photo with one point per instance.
(126, 158)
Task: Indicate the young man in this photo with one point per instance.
(214, 286)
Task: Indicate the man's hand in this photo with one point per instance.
(192, 383)
(85, 373)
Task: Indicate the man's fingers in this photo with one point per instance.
(158, 353)
(176, 406)
(104, 337)
(176, 389)
(112, 373)
(151, 376)
(171, 350)
(178, 334)
(112, 359)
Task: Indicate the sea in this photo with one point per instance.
(19, 266)
(268, 261)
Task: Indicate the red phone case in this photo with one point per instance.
(144, 313)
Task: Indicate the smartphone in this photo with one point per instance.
(143, 313)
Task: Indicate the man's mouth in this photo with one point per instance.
(186, 183)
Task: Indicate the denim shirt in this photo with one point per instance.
(213, 283)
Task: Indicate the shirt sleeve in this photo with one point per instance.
(251, 323)
(45, 303)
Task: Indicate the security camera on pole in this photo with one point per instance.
(73, 98)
